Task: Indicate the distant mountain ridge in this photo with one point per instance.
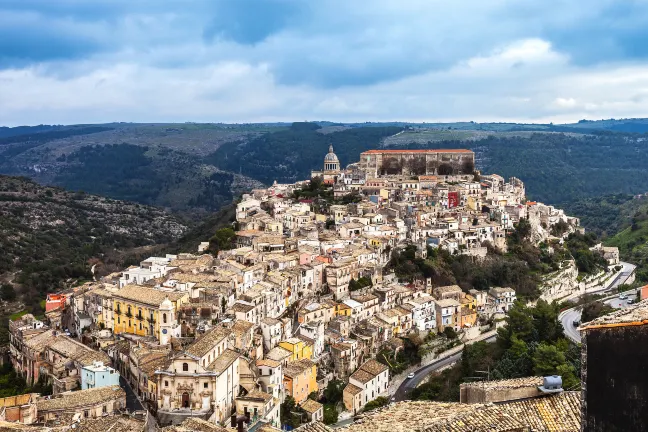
(196, 169)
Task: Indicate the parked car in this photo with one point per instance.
(622, 297)
(410, 376)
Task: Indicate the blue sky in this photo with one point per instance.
(74, 61)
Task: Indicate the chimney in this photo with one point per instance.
(240, 420)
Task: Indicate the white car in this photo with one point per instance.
(622, 297)
(410, 376)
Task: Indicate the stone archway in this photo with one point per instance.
(185, 400)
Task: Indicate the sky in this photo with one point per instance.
(236, 61)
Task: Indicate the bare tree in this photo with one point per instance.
(446, 169)
(417, 165)
(468, 166)
(391, 165)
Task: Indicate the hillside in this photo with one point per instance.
(632, 241)
(289, 155)
(50, 238)
(154, 164)
(195, 169)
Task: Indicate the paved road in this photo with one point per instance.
(571, 315)
(567, 320)
(404, 391)
(132, 402)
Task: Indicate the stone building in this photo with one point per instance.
(201, 381)
(500, 391)
(91, 403)
(417, 162)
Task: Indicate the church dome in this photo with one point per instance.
(331, 157)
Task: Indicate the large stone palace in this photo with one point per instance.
(417, 162)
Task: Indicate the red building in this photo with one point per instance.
(54, 301)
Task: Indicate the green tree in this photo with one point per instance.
(333, 391)
(287, 412)
(222, 240)
(313, 396)
(466, 368)
(546, 359)
(7, 292)
(330, 414)
(379, 402)
(450, 333)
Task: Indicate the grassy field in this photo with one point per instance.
(424, 136)
(17, 315)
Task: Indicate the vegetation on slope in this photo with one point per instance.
(520, 268)
(289, 155)
(50, 238)
(531, 343)
(633, 242)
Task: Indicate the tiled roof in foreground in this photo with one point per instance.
(408, 416)
(554, 413)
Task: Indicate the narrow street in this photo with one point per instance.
(132, 402)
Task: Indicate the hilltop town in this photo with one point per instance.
(298, 297)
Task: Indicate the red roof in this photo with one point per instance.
(419, 151)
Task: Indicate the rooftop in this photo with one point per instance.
(513, 383)
(207, 341)
(555, 413)
(147, 295)
(81, 398)
(223, 361)
(632, 316)
(373, 367)
(311, 406)
(313, 427)
(408, 416)
(428, 151)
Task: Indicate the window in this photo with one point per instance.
(164, 319)
(166, 383)
(104, 409)
(86, 413)
(205, 385)
(185, 367)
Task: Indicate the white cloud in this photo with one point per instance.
(423, 60)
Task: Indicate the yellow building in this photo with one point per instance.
(469, 301)
(468, 317)
(146, 311)
(300, 379)
(299, 348)
(343, 310)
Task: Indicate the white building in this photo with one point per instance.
(366, 384)
(504, 298)
(98, 375)
(423, 312)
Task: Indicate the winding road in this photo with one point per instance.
(404, 391)
(568, 317)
